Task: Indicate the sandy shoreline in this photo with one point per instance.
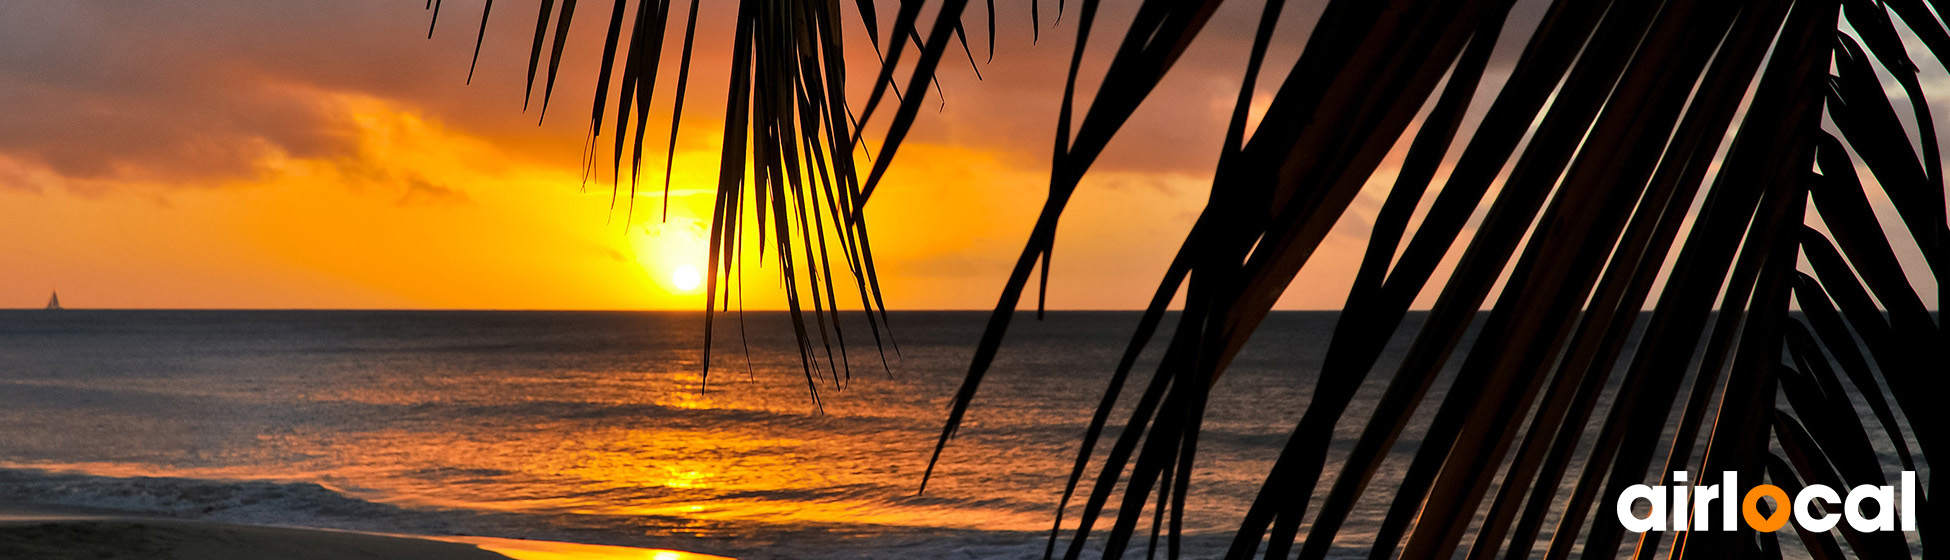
(28, 532)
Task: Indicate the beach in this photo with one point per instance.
(47, 533)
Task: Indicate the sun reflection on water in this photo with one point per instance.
(547, 550)
(594, 426)
(694, 479)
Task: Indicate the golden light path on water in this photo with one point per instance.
(547, 550)
(593, 427)
(750, 449)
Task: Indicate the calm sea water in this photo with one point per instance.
(597, 427)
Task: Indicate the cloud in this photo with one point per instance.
(420, 191)
(97, 100)
(193, 92)
(202, 93)
(1181, 125)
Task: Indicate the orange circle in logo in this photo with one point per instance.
(1750, 510)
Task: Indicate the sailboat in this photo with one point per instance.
(54, 302)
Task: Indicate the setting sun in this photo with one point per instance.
(686, 278)
(671, 253)
(348, 281)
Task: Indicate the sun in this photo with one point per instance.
(670, 255)
(685, 278)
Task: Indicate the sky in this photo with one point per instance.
(211, 154)
(204, 154)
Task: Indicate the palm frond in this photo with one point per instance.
(1676, 230)
(1632, 105)
(788, 124)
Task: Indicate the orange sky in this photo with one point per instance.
(203, 154)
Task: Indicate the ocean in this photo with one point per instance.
(600, 427)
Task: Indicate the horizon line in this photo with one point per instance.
(560, 310)
(676, 310)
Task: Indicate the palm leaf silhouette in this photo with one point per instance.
(1657, 167)
(787, 122)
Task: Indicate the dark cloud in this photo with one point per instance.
(195, 92)
(420, 191)
(1180, 126)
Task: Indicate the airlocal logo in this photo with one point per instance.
(1697, 515)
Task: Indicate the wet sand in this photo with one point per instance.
(43, 534)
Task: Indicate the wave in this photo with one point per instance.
(309, 504)
(259, 502)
